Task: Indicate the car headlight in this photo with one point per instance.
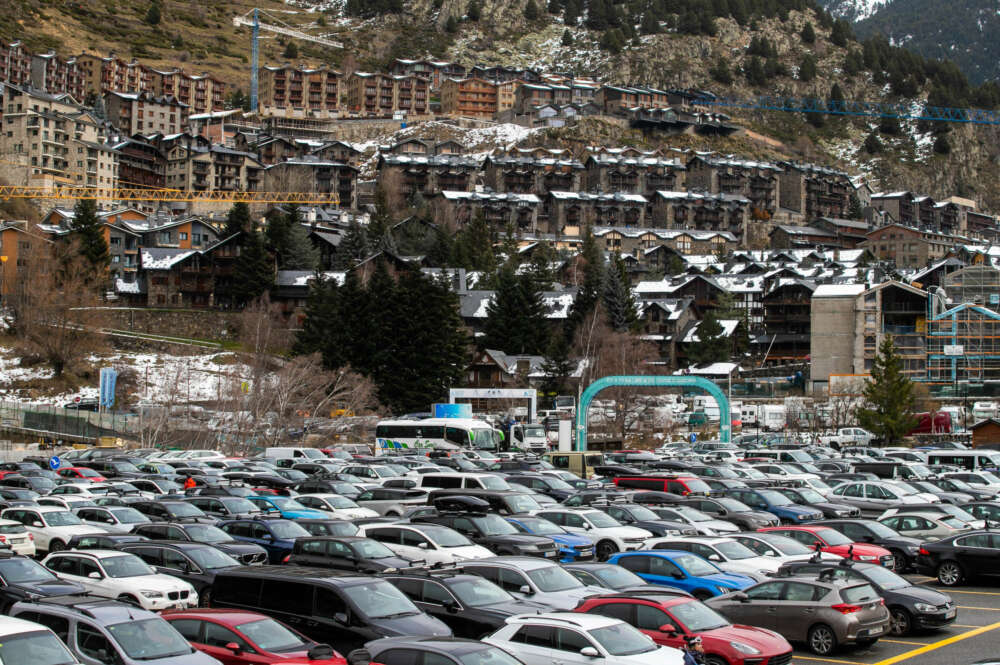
(528, 548)
(152, 594)
(673, 532)
(724, 589)
(745, 648)
(867, 557)
(913, 549)
(924, 607)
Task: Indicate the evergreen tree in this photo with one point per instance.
(474, 247)
(451, 25)
(712, 346)
(754, 72)
(237, 220)
(323, 330)
(153, 14)
(872, 144)
(841, 33)
(619, 301)
(613, 41)
(88, 230)
(291, 51)
(301, 253)
(557, 366)
(854, 209)
(515, 318)
(380, 223)
(890, 126)
(650, 24)
(836, 96)
(571, 15)
(253, 270)
(353, 248)
(941, 144)
(276, 229)
(738, 10)
(889, 402)
(531, 11)
(854, 62)
(589, 293)
(567, 38)
(675, 266)
(807, 68)
(473, 12)
(720, 72)
(808, 35)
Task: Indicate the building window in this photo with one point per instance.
(183, 235)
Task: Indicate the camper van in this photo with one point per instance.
(772, 417)
(983, 411)
(748, 414)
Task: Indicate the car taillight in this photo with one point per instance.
(287, 558)
(923, 551)
(3, 539)
(845, 608)
(31, 537)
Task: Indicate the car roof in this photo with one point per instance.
(300, 572)
(521, 562)
(230, 617)
(577, 619)
(452, 645)
(103, 610)
(95, 554)
(14, 626)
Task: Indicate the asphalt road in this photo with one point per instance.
(974, 636)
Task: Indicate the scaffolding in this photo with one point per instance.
(978, 284)
(963, 344)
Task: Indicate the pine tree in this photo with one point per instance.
(854, 209)
(872, 144)
(571, 15)
(474, 246)
(451, 25)
(473, 12)
(153, 14)
(941, 144)
(515, 318)
(567, 38)
(754, 71)
(808, 35)
(276, 228)
(650, 24)
(589, 293)
(253, 271)
(712, 346)
(841, 33)
(675, 266)
(301, 253)
(380, 223)
(353, 248)
(531, 11)
(720, 72)
(291, 51)
(619, 302)
(323, 329)
(237, 220)
(557, 366)
(807, 68)
(889, 402)
(88, 230)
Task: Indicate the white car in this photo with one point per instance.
(430, 543)
(781, 548)
(126, 577)
(727, 553)
(338, 506)
(68, 501)
(196, 454)
(116, 519)
(909, 490)
(579, 639)
(609, 535)
(777, 471)
(29, 642)
(50, 526)
(703, 522)
(15, 536)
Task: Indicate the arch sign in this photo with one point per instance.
(725, 423)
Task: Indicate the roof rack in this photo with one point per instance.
(84, 604)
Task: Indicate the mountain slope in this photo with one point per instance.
(854, 10)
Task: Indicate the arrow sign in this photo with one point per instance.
(54, 462)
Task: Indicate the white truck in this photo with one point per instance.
(772, 417)
(847, 436)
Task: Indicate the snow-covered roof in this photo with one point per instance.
(715, 369)
(160, 258)
(838, 290)
(512, 197)
(728, 328)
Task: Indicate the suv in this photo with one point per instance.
(681, 570)
(276, 536)
(559, 637)
(395, 650)
(172, 511)
(353, 553)
(732, 510)
(529, 578)
(432, 543)
(50, 526)
(609, 535)
(506, 502)
(728, 554)
(195, 563)
(827, 539)
(777, 504)
(105, 631)
(634, 514)
(680, 485)
(904, 550)
(489, 530)
(225, 507)
(22, 578)
(346, 610)
(26, 642)
(115, 519)
(391, 501)
(246, 553)
(471, 605)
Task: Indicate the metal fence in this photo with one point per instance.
(58, 422)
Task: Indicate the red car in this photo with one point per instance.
(833, 541)
(236, 637)
(81, 473)
(682, 617)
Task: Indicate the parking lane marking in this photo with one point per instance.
(965, 625)
(919, 644)
(984, 609)
(827, 660)
(976, 593)
(937, 645)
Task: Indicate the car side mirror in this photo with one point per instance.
(714, 557)
(422, 546)
(741, 597)
(95, 576)
(341, 618)
(586, 526)
(525, 589)
(668, 628)
(868, 539)
(589, 652)
(235, 648)
(677, 575)
(450, 606)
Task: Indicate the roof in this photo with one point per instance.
(983, 423)
(580, 619)
(838, 290)
(728, 328)
(159, 258)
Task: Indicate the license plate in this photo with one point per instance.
(550, 554)
(586, 552)
(951, 613)
(889, 563)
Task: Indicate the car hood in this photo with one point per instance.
(239, 548)
(513, 607)
(416, 624)
(352, 513)
(665, 525)
(718, 525)
(900, 542)
(50, 588)
(518, 539)
(921, 594)
(572, 540)
(468, 552)
(755, 564)
(158, 582)
(762, 516)
(860, 549)
(76, 529)
(731, 580)
(196, 658)
(307, 514)
(839, 508)
(387, 562)
(766, 641)
(662, 656)
(795, 510)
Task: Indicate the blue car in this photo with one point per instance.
(275, 536)
(777, 504)
(571, 546)
(289, 509)
(681, 570)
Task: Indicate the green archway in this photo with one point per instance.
(725, 417)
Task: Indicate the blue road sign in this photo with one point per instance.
(692, 437)
(54, 462)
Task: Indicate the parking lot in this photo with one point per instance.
(972, 638)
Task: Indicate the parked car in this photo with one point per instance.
(51, 527)
(782, 548)
(703, 523)
(903, 548)
(354, 553)
(962, 557)
(195, 563)
(810, 498)
(609, 535)
(337, 506)
(609, 576)
(28, 642)
(276, 536)
(450, 651)
(681, 570)
(925, 525)
(776, 503)
(826, 539)
(115, 519)
(246, 553)
(727, 553)
(571, 546)
(534, 579)
(22, 578)
(432, 543)
(731, 510)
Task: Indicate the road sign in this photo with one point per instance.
(54, 462)
(692, 437)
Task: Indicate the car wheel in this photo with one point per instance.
(605, 550)
(950, 573)
(56, 546)
(899, 562)
(899, 621)
(713, 659)
(129, 599)
(822, 640)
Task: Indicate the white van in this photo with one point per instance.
(983, 411)
(479, 481)
(772, 417)
(970, 460)
(301, 454)
(748, 414)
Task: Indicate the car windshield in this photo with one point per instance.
(61, 518)
(129, 516)
(881, 530)
(126, 565)
(541, 527)
(206, 533)
(885, 578)
(184, 510)
(695, 565)
(494, 483)
(622, 639)
(239, 505)
(832, 537)
(775, 498)
(534, 430)
(959, 485)
(521, 503)
(753, 474)
(270, 635)
(811, 496)
(691, 514)
(957, 512)
(783, 544)
(553, 578)
(149, 639)
(697, 617)
(953, 523)
(734, 550)
(284, 503)
(905, 488)
(371, 549)
(603, 520)
(989, 478)
(733, 505)
(642, 513)
(479, 592)
(558, 484)
(210, 558)
(340, 502)
(488, 656)
(445, 537)
(285, 529)
(380, 600)
(37, 647)
(494, 525)
(616, 577)
(22, 570)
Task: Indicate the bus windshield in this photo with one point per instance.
(483, 438)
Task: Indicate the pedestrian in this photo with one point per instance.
(189, 484)
(694, 652)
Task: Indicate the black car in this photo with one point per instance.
(734, 511)
(911, 606)
(613, 577)
(984, 510)
(195, 563)
(470, 605)
(113, 468)
(33, 483)
(22, 578)
(557, 488)
(172, 511)
(246, 553)
(977, 492)
(354, 553)
(632, 514)
(330, 527)
(224, 507)
(18, 494)
(102, 541)
(468, 516)
(946, 496)
(722, 485)
(904, 549)
(956, 559)
(328, 607)
(430, 650)
(329, 486)
(810, 498)
(589, 497)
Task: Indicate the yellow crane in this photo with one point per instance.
(135, 194)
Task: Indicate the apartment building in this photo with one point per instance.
(814, 191)
(15, 63)
(472, 97)
(104, 73)
(435, 72)
(202, 93)
(290, 90)
(376, 94)
(145, 113)
(193, 163)
(756, 181)
(910, 246)
(50, 73)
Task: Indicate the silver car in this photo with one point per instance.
(531, 578)
(872, 498)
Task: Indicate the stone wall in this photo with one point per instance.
(189, 323)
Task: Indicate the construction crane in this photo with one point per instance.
(900, 110)
(126, 195)
(281, 30)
